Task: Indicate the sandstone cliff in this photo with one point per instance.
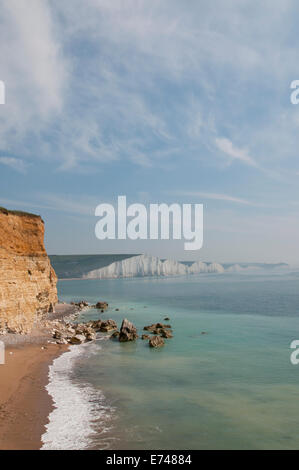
(27, 280)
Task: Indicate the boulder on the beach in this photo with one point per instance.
(128, 331)
(156, 342)
(102, 305)
(70, 331)
(62, 341)
(57, 334)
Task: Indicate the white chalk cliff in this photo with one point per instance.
(143, 265)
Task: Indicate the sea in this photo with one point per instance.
(224, 381)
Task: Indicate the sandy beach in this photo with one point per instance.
(24, 402)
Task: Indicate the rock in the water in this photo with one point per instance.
(156, 326)
(156, 342)
(115, 335)
(91, 336)
(128, 332)
(78, 339)
(108, 325)
(166, 319)
(150, 328)
(165, 333)
(80, 329)
(82, 304)
(162, 325)
(102, 305)
(145, 337)
(96, 325)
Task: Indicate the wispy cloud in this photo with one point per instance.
(216, 197)
(14, 163)
(233, 152)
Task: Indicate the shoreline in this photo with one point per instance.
(25, 404)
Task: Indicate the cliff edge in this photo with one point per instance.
(27, 279)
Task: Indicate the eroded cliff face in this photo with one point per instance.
(27, 280)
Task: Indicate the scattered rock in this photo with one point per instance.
(81, 304)
(156, 342)
(91, 336)
(62, 341)
(128, 332)
(156, 326)
(96, 325)
(145, 337)
(161, 325)
(117, 309)
(57, 334)
(75, 334)
(78, 339)
(150, 328)
(115, 335)
(102, 305)
(165, 333)
(80, 328)
(108, 325)
(166, 319)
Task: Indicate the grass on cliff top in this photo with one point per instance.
(20, 213)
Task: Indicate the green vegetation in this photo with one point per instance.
(20, 213)
(75, 266)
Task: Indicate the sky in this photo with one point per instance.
(162, 101)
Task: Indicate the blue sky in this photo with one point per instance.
(161, 103)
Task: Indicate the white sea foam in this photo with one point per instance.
(77, 406)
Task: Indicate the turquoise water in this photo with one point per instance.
(232, 388)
